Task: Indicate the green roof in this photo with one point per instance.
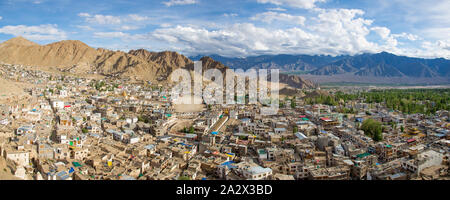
(76, 164)
(363, 155)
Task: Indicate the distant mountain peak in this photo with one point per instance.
(19, 41)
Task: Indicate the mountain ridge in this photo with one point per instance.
(381, 64)
(76, 56)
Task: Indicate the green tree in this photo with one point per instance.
(184, 178)
(373, 129)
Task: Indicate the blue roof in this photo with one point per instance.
(229, 164)
(188, 145)
(214, 133)
(300, 136)
(150, 146)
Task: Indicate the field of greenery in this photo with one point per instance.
(425, 101)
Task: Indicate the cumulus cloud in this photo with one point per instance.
(111, 35)
(230, 15)
(383, 32)
(407, 36)
(277, 9)
(120, 23)
(241, 40)
(138, 18)
(306, 4)
(179, 2)
(269, 17)
(440, 48)
(41, 32)
(330, 32)
(101, 19)
(324, 31)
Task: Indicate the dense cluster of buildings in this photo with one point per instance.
(71, 128)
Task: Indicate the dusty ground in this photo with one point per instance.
(5, 173)
(9, 88)
(180, 125)
(180, 107)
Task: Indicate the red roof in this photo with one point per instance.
(411, 140)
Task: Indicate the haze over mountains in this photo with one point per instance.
(380, 65)
(77, 57)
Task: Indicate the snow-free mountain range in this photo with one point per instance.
(77, 57)
(382, 65)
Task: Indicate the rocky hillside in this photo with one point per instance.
(64, 53)
(75, 56)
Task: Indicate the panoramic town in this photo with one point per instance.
(205, 92)
(69, 128)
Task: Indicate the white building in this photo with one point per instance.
(21, 158)
(58, 104)
(425, 159)
(257, 173)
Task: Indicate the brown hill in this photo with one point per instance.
(19, 41)
(58, 54)
(166, 61)
(296, 81)
(140, 64)
(117, 63)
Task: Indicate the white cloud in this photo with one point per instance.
(86, 28)
(438, 49)
(84, 15)
(389, 40)
(383, 32)
(119, 23)
(306, 4)
(242, 40)
(41, 32)
(429, 19)
(165, 25)
(179, 2)
(407, 36)
(325, 31)
(439, 33)
(277, 9)
(129, 28)
(343, 29)
(330, 32)
(1, 17)
(101, 19)
(269, 17)
(138, 18)
(230, 15)
(111, 35)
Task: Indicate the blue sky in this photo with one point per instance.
(237, 28)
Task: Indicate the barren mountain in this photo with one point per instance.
(59, 54)
(167, 61)
(296, 81)
(75, 56)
